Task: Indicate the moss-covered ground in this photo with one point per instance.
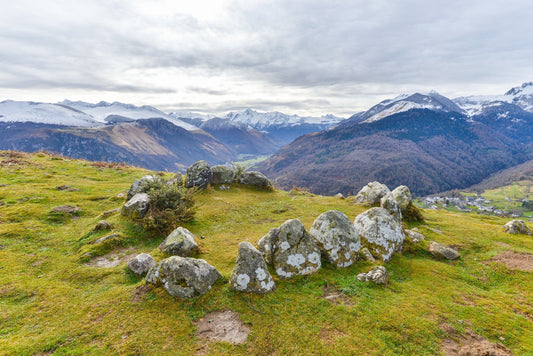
(53, 301)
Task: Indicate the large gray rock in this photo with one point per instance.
(251, 273)
(337, 238)
(402, 195)
(256, 179)
(291, 250)
(198, 175)
(183, 277)
(138, 185)
(141, 264)
(137, 206)
(371, 193)
(516, 227)
(180, 242)
(378, 275)
(380, 232)
(389, 203)
(442, 252)
(222, 175)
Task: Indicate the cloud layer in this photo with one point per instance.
(306, 56)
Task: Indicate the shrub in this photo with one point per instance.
(412, 214)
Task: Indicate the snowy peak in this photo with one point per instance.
(525, 88)
(263, 120)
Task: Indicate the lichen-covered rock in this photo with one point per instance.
(198, 175)
(365, 253)
(380, 232)
(291, 250)
(414, 236)
(256, 179)
(222, 175)
(251, 273)
(389, 203)
(516, 227)
(137, 206)
(137, 186)
(402, 195)
(141, 264)
(337, 238)
(371, 193)
(180, 242)
(442, 252)
(102, 225)
(378, 275)
(183, 277)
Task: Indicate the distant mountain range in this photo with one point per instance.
(426, 141)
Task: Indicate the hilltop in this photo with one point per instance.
(56, 301)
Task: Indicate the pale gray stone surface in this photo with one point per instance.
(198, 175)
(402, 195)
(137, 206)
(516, 227)
(389, 203)
(256, 179)
(251, 273)
(180, 242)
(137, 186)
(371, 193)
(378, 275)
(222, 175)
(440, 251)
(141, 264)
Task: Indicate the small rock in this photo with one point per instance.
(371, 193)
(141, 264)
(251, 273)
(105, 238)
(63, 187)
(378, 275)
(180, 242)
(137, 206)
(222, 175)
(339, 195)
(67, 209)
(224, 187)
(102, 225)
(365, 253)
(414, 236)
(198, 175)
(183, 277)
(256, 179)
(110, 212)
(516, 227)
(442, 252)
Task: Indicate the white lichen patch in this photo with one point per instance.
(284, 246)
(282, 273)
(261, 274)
(267, 286)
(242, 281)
(296, 260)
(314, 258)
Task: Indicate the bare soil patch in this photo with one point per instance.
(335, 296)
(515, 260)
(329, 336)
(112, 259)
(140, 292)
(470, 344)
(222, 326)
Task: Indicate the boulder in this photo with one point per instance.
(138, 185)
(339, 195)
(180, 242)
(516, 227)
(137, 206)
(141, 264)
(402, 195)
(378, 275)
(183, 277)
(414, 236)
(198, 175)
(371, 193)
(102, 225)
(380, 232)
(442, 252)
(256, 179)
(291, 250)
(222, 175)
(337, 238)
(389, 203)
(251, 273)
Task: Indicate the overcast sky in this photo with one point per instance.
(305, 57)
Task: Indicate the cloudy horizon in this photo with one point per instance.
(301, 57)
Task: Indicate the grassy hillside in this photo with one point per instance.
(55, 300)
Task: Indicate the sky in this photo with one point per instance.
(299, 57)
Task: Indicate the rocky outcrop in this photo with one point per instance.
(183, 277)
(389, 203)
(378, 275)
(256, 180)
(516, 227)
(402, 195)
(291, 250)
(337, 238)
(371, 193)
(222, 175)
(442, 252)
(251, 273)
(139, 185)
(180, 242)
(198, 175)
(137, 206)
(141, 264)
(380, 232)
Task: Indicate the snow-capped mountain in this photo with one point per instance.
(264, 120)
(521, 96)
(44, 113)
(102, 110)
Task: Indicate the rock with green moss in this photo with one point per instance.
(251, 273)
(516, 227)
(180, 242)
(442, 252)
(291, 250)
(389, 203)
(137, 206)
(256, 179)
(141, 264)
(371, 193)
(414, 236)
(222, 175)
(139, 185)
(337, 238)
(378, 275)
(183, 277)
(380, 232)
(198, 175)
(402, 195)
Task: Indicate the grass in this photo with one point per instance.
(51, 302)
